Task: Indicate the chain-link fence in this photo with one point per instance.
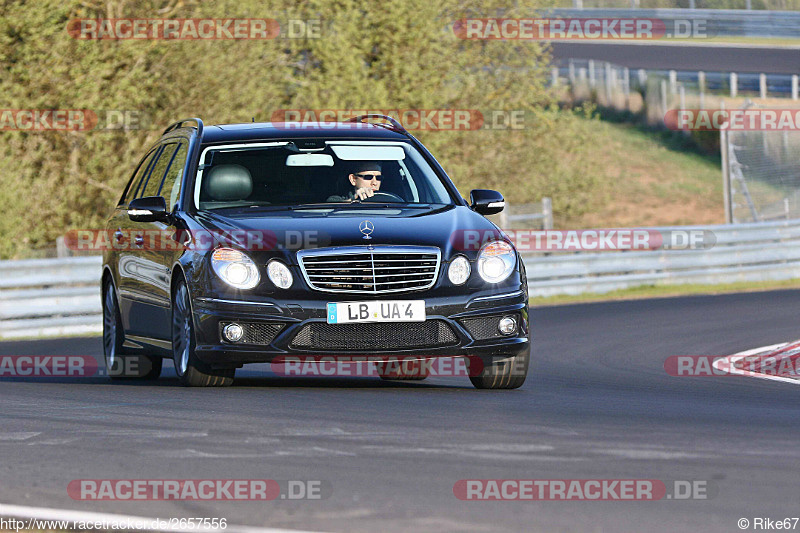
(781, 5)
(763, 169)
(654, 92)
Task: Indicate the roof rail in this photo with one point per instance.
(179, 124)
(390, 123)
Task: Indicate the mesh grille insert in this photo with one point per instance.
(254, 333)
(485, 327)
(375, 336)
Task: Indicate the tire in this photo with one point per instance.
(121, 365)
(503, 372)
(191, 371)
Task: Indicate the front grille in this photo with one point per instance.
(374, 270)
(485, 327)
(255, 333)
(374, 336)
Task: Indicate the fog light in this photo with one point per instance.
(507, 325)
(233, 332)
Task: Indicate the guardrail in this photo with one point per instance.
(49, 297)
(525, 215)
(723, 22)
(743, 252)
(56, 297)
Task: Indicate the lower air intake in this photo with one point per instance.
(377, 336)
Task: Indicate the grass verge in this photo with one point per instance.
(667, 291)
(649, 178)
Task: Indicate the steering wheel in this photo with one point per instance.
(380, 196)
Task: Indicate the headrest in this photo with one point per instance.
(229, 182)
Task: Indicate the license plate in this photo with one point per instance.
(386, 311)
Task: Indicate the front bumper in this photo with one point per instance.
(210, 313)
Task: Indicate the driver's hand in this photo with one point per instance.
(362, 193)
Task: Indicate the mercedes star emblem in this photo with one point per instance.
(366, 228)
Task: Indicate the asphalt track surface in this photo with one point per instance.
(597, 405)
(684, 57)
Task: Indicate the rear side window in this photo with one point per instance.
(159, 169)
(137, 192)
(133, 184)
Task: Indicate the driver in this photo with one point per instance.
(365, 181)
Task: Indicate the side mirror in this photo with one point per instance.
(148, 209)
(486, 202)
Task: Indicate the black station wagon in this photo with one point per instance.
(247, 243)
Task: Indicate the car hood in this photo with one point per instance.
(450, 228)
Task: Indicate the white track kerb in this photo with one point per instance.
(43, 513)
(728, 363)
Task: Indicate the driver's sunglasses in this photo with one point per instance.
(369, 176)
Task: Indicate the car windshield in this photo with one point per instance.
(315, 172)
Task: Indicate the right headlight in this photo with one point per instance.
(496, 261)
(235, 268)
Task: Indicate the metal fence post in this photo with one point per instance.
(785, 143)
(572, 72)
(682, 96)
(626, 86)
(734, 88)
(61, 247)
(726, 174)
(673, 82)
(701, 85)
(664, 107)
(592, 79)
(612, 84)
(762, 85)
(547, 211)
(554, 74)
(794, 86)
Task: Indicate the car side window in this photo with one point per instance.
(135, 180)
(142, 182)
(171, 188)
(153, 184)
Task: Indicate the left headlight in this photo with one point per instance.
(496, 261)
(458, 273)
(235, 268)
(279, 274)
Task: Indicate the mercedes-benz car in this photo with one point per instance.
(246, 243)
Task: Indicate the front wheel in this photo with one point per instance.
(503, 372)
(191, 371)
(121, 365)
